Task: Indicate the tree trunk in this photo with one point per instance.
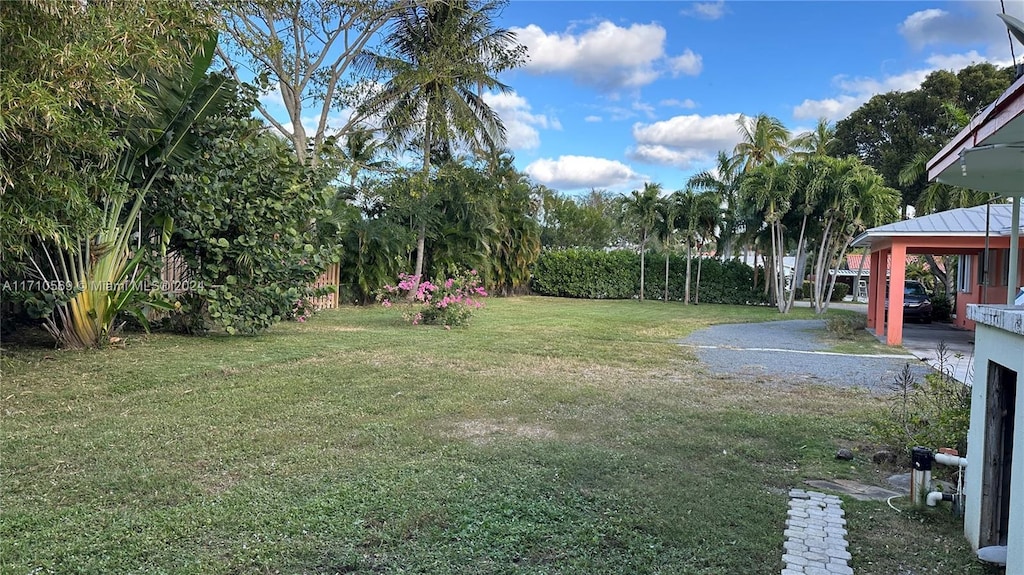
(755, 265)
(421, 235)
(700, 262)
(666, 276)
(686, 290)
(643, 243)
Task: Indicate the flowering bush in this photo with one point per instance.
(444, 302)
(302, 310)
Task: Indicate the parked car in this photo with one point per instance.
(917, 303)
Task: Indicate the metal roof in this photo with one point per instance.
(961, 222)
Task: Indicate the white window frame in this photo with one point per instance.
(964, 277)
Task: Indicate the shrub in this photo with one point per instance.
(845, 326)
(448, 302)
(934, 414)
(808, 289)
(839, 292)
(245, 233)
(586, 273)
(942, 308)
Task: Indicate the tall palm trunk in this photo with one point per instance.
(666, 276)
(686, 290)
(421, 232)
(700, 264)
(643, 248)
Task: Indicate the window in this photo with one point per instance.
(964, 277)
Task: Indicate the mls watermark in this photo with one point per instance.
(165, 286)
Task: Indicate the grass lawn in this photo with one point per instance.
(551, 436)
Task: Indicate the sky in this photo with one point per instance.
(618, 93)
(615, 94)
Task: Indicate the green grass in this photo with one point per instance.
(551, 436)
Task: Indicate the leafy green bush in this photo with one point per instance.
(839, 292)
(934, 414)
(585, 273)
(844, 326)
(807, 289)
(942, 308)
(243, 213)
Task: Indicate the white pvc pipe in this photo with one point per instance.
(920, 483)
(950, 460)
(934, 497)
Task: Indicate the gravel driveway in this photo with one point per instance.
(790, 351)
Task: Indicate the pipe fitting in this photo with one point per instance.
(935, 496)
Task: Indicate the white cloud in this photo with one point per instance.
(272, 99)
(706, 10)
(521, 125)
(688, 63)
(856, 91)
(593, 119)
(683, 141)
(675, 103)
(644, 108)
(831, 108)
(958, 61)
(582, 172)
(608, 57)
(961, 23)
(920, 26)
(665, 156)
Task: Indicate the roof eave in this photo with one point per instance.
(1004, 109)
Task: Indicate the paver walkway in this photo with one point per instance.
(815, 535)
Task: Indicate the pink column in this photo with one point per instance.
(878, 291)
(873, 274)
(894, 333)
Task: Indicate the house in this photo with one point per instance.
(988, 155)
(969, 233)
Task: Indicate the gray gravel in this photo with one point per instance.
(771, 350)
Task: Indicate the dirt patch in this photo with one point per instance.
(482, 431)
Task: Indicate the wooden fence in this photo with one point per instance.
(175, 278)
(330, 278)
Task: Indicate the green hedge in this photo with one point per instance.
(840, 291)
(594, 274)
(585, 273)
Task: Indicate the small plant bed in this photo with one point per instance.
(549, 436)
(846, 332)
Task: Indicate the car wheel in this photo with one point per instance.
(927, 319)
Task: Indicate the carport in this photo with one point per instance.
(965, 232)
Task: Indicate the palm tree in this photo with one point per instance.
(766, 189)
(665, 229)
(640, 210)
(723, 181)
(855, 199)
(439, 57)
(709, 218)
(815, 143)
(763, 141)
(698, 212)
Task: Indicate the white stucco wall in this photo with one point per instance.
(999, 339)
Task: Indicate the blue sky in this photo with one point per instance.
(618, 93)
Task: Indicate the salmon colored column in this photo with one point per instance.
(873, 274)
(878, 291)
(894, 332)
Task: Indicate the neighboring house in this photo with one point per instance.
(961, 232)
(988, 155)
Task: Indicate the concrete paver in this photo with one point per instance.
(815, 535)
